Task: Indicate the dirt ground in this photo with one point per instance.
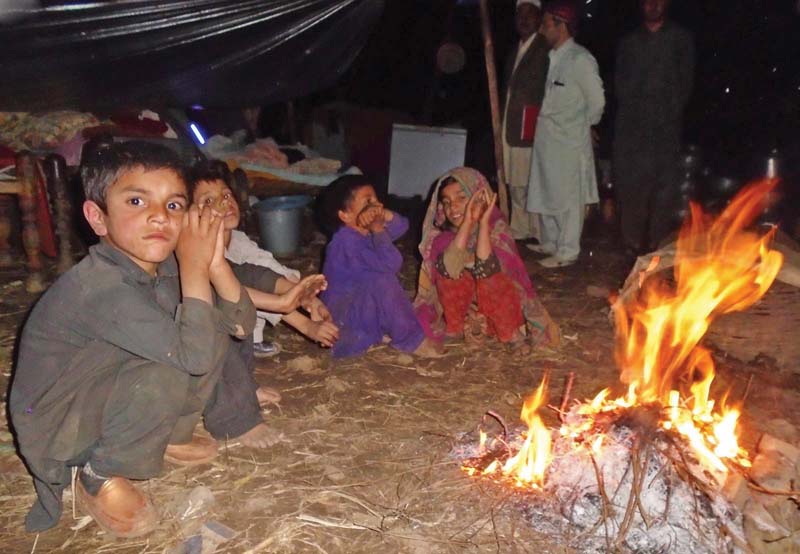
(363, 465)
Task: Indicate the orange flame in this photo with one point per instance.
(527, 467)
(720, 267)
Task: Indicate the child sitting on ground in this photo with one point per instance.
(210, 184)
(469, 258)
(270, 291)
(119, 358)
(364, 294)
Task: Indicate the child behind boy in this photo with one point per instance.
(233, 410)
(364, 294)
(119, 357)
(209, 185)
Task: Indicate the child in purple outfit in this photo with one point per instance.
(364, 295)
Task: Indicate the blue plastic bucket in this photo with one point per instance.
(280, 220)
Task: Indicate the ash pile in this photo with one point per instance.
(628, 485)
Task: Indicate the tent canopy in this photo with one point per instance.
(220, 53)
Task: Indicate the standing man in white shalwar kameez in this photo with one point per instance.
(563, 179)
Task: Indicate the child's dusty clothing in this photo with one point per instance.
(242, 250)
(364, 295)
(112, 367)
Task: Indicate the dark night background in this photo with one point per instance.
(148, 53)
(746, 98)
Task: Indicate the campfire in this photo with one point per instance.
(655, 468)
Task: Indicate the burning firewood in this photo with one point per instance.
(658, 468)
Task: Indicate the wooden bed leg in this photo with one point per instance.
(55, 168)
(26, 173)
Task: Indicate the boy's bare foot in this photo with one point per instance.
(119, 508)
(260, 436)
(429, 349)
(267, 395)
(202, 449)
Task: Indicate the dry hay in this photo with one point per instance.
(364, 463)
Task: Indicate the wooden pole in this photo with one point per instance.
(491, 76)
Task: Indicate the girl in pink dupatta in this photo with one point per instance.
(471, 269)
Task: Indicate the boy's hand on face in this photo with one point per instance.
(303, 293)
(378, 224)
(218, 262)
(197, 244)
(365, 217)
(323, 332)
(372, 218)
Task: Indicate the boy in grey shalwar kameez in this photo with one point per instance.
(119, 358)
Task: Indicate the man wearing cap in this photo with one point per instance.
(653, 81)
(563, 178)
(525, 73)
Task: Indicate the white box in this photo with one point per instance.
(419, 155)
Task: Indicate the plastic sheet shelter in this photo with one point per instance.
(220, 53)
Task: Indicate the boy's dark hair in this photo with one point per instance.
(208, 170)
(337, 196)
(103, 166)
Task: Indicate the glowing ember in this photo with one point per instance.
(720, 267)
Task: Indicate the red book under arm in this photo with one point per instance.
(530, 114)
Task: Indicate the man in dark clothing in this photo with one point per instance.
(120, 356)
(654, 73)
(525, 76)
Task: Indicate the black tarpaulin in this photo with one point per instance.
(217, 53)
